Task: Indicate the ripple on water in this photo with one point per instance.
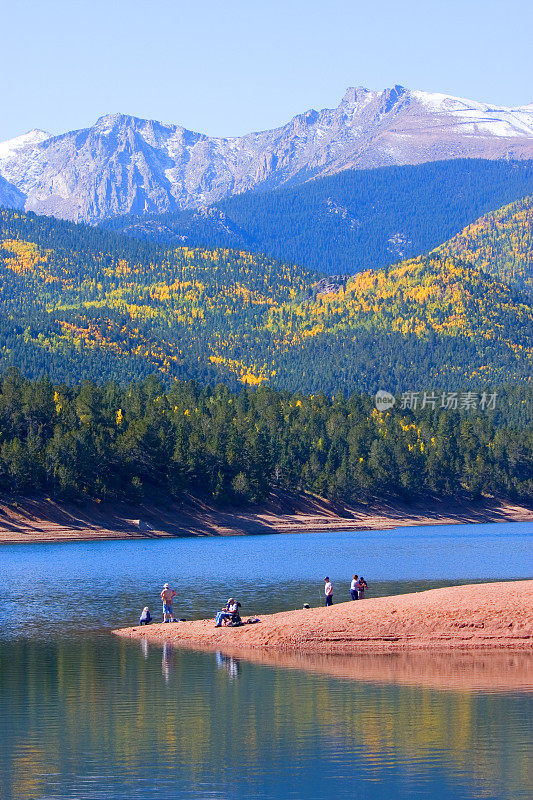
(86, 716)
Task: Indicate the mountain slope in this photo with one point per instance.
(344, 223)
(431, 321)
(127, 165)
(500, 243)
(78, 302)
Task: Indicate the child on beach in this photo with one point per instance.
(146, 617)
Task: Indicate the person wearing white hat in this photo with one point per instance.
(167, 595)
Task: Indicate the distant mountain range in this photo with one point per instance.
(345, 223)
(125, 165)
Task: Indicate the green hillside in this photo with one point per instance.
(500, 243)
(77, 302)
(351, 221)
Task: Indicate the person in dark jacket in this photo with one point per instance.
(145, 617)
(361, 586)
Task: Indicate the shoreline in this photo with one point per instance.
(42, 520)
(456, 670)
(472, 617)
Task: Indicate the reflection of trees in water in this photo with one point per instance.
(66, 703)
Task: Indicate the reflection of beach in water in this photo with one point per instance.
(228, 663)
(481, 670)
(305, 726)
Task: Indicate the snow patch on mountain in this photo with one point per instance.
(14, 147)
(494, 120)
(124, 164)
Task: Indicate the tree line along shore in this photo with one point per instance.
(127, 443)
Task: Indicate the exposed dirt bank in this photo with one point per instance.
(43, 520)
(478, 616)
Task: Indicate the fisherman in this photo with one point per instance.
(167, 595)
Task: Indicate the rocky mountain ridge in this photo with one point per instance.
(124, 165)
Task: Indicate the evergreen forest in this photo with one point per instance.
(81, 303)
(349, 222)
(133, 442)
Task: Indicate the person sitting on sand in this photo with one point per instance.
(230, 613)
(353, 588)
(361, 586)
(146, 617)
(328, 591)
(167, 595)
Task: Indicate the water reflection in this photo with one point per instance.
(167, 661)
(98, 720)
(463, 670)
(229, 663)
(145, 647)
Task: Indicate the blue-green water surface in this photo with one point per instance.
(84, 715)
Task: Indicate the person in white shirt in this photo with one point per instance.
(328, 591)
(353, 588)
(228, 613)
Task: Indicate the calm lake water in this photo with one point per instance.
(85, 715)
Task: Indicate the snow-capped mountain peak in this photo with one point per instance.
(13, 147)
(123, 164)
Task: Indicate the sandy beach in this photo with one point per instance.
(44, 520)
(495, 616)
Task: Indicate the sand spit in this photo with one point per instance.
(494, 616)
(30, 521)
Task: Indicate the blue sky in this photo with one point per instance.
(227, 67)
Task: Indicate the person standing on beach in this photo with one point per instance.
(328, 591)
(353, 588)
(361, 586)
(167, 595)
